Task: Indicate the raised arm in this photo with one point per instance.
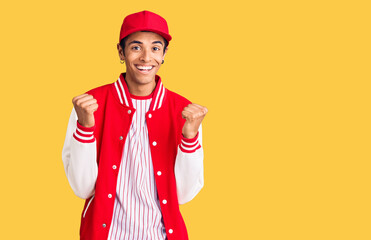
(79, 149)
(189, 169)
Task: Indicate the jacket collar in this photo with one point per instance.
(122, 91)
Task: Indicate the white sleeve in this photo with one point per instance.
(79, 158)
(189, 168)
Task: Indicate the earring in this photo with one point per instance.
(162, 62)
(122, 61)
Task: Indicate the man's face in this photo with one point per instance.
(144, 52)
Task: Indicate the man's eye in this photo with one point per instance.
(156, 48)
(136, 48)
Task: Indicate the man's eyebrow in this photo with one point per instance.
(139, 42)
(135, 41)
(158, 42)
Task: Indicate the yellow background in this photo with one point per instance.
(286, 139)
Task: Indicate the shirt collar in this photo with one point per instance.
(123, 93)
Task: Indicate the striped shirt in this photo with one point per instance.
(137, 214)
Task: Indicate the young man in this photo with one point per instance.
(133, 149)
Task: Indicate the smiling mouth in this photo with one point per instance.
(144, 68)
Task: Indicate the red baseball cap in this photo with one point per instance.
(145, 21)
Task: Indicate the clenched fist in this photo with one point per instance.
(193, 114)
(85, 106)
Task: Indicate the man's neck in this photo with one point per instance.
(140, 89)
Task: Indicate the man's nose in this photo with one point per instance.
(146, 56)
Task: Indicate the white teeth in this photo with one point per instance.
(144, 67)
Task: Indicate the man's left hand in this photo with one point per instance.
(193, 114)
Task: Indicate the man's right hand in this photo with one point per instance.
(85, 106)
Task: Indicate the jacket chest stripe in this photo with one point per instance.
(118, 92)
(157, 96)
(123, 92)
(162, 96)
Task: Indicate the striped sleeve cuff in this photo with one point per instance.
(189, 145)
(84, 134)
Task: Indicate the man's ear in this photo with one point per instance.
(120, 51)
(167, 48)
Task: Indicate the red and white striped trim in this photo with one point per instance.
(121, 92)
(118, 92)
(124, 94)
(159, 97)
(189, 145)
(84, 134)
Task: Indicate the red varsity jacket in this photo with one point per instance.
(113, 119)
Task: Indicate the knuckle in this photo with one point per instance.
(74, 100)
